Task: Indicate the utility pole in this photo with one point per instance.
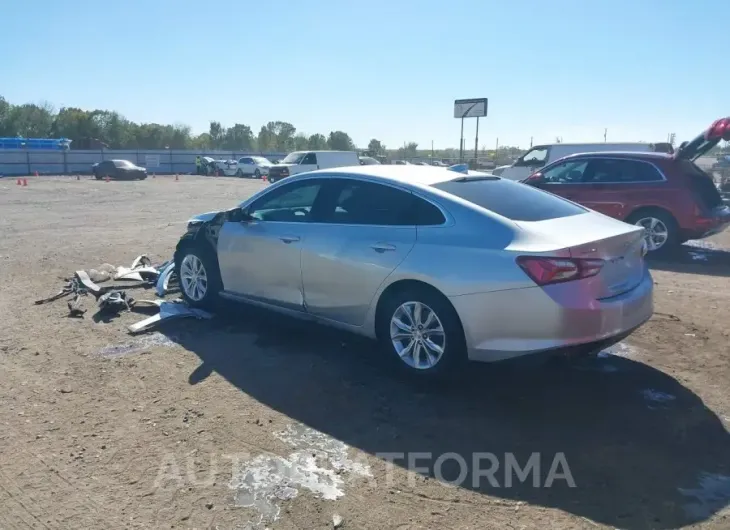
(605, 133)
(476, 144)
(530, 142)
(432, 151)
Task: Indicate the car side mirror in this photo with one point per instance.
(535, 179)
(242, 216)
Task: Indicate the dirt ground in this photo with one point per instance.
(249, 420)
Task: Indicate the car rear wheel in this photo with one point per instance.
(660, 229)
(422, 333)
(239, 173)
(198, 274)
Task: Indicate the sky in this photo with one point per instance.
(385, 69)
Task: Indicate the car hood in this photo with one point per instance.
(203, 217)
(283, 165)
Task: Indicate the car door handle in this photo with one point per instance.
(382, 247)
(289, 239)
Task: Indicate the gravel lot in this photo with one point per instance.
(242, 421)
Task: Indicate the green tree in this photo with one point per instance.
(340, 141)
(239, 137)
(317, 142)
(301, 142)
(266, 140)
(375, 147)
(217, 134)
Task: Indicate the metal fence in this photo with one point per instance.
(17, 162)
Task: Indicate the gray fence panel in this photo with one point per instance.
(50, 162)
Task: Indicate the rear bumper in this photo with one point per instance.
(510, 324)
(719, 221)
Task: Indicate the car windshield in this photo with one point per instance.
(294, 158)
(260, 160)
(515, 201)
(122, 163)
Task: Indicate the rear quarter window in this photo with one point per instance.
(515, 201)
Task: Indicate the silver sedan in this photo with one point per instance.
(440, 267)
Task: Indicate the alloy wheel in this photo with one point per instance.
(193, 277)
(417, 335)
(656, 233)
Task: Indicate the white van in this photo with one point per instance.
(301, 161)
(541, 155)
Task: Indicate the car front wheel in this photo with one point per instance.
(257, 174)
(198, 274)
(422, 333)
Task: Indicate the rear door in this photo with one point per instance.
(366, 231)
(617, 186)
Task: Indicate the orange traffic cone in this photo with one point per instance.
(18, 183)
(36, 173)
(25, 182)
(107, 178)
(176, 177)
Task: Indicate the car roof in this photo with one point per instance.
(645, 155)
(412, 174)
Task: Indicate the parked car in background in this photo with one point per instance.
(214, 167)
(368, 161)
(118, 169)
(668, 195)
(253, 166)
(542, 155)
(441, 267)
(303, 161)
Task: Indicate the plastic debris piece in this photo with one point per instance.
(169, 310)
(115, 302)
(163, 280)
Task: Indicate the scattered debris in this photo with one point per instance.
(74, 307)
(115, 302)
(168, 311)
(111, 299)
(167, 270)
(337, 521)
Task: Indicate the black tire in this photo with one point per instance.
(673, 239)
(271, 179)
(97, 176)
(257, 173)
(209, 262)
(239, 174)
(454, 356)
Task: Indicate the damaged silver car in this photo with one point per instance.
(440, 266)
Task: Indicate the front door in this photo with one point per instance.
(365, 232)
(260, 258)
(565, 179)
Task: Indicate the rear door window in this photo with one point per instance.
(515, 201)
(620, 171)
(359, 202)
(310, 158)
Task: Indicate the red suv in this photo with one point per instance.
(667, 194)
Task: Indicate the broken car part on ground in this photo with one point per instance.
(113, 299)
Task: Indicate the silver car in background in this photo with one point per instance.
(440, 267)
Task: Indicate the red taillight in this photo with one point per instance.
(720, 130)
(544, 271)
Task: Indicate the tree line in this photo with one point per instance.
(96, 129)
(92, 129)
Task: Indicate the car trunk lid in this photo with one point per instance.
(595, 236)
(719, 130)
